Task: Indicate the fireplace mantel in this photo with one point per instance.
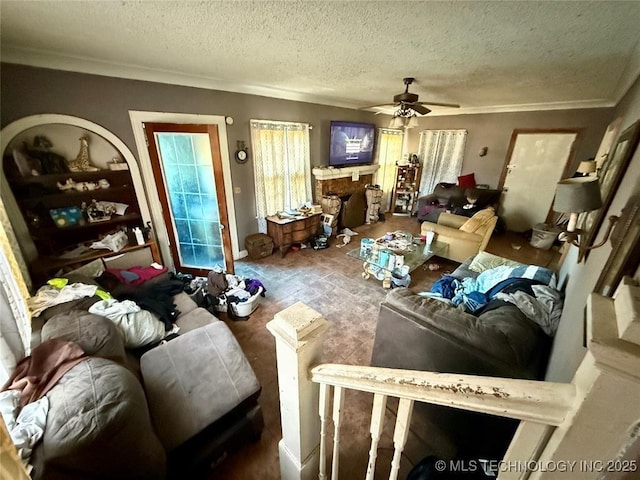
(353, 172)
(342, 181)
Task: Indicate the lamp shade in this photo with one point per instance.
(588, 166)
(576, 195)
(413, 122)
(396, 122)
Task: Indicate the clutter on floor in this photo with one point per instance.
(374, 197)
(346, 235)
(320, 242)
(234, 295)
(258, 245)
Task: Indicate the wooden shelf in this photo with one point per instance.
(115, 220)
(46, 266)
(38, 195)
(55, 262)
(405, 192)
(76, 197)
(53, 178)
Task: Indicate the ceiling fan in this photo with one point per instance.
(408, 102)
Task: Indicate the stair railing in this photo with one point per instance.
(557, 419)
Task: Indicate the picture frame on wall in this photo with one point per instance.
(625, 248)
(609, 177)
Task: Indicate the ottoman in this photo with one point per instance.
(194, 384)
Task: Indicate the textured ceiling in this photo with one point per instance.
(485, 56)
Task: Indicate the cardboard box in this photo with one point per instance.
(258, 245)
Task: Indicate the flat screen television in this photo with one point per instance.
(351, 143)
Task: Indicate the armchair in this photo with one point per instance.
(465, 236)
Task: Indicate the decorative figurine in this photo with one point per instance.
(98, 211)
(82, 163)
(70, 184)
(50, 162)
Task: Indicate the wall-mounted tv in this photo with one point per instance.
(351, 143)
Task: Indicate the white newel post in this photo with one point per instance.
(299, 331)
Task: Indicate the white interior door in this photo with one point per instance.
(536, 164)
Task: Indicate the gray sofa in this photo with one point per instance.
(418, 333)
(448, 196)
(171, 412)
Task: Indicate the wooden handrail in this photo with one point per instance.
(535, 401)
(592, 419)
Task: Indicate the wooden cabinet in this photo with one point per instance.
(287, 231)
(405, 191)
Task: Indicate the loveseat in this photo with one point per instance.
(171, 411)
(449, 196)
(414, 332)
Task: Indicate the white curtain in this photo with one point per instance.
(281, 167)
(441, 153)
(15, 320)
(389, 151)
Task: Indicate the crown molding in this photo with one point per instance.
(55, 61)
(530, 107)
(51, 60)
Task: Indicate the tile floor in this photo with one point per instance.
(331, 283)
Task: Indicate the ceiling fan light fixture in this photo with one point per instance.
(413, 122)
(408, 104)
(396, 122)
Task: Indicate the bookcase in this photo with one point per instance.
(64, 211)
(405, 191)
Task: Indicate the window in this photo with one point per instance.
(441, 153)
(281, 166)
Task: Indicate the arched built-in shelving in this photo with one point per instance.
(31, 201)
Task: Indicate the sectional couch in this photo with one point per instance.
(449, 196)
(171, 412)
(418, 333)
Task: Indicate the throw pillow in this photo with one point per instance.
(478, 220)
(467, 181)
(485, 261)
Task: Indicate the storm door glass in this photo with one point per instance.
(187, 169)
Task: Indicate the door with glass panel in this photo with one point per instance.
(187, 167)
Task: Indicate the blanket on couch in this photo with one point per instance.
(530, 287)
(38, 373)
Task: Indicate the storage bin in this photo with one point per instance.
(258, 245)
(544, 235)
(244, 309)
(366, 247)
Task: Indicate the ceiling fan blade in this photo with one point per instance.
(379, 105)
(421, 109)
(436, 104)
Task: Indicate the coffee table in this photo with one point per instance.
(413, 257)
